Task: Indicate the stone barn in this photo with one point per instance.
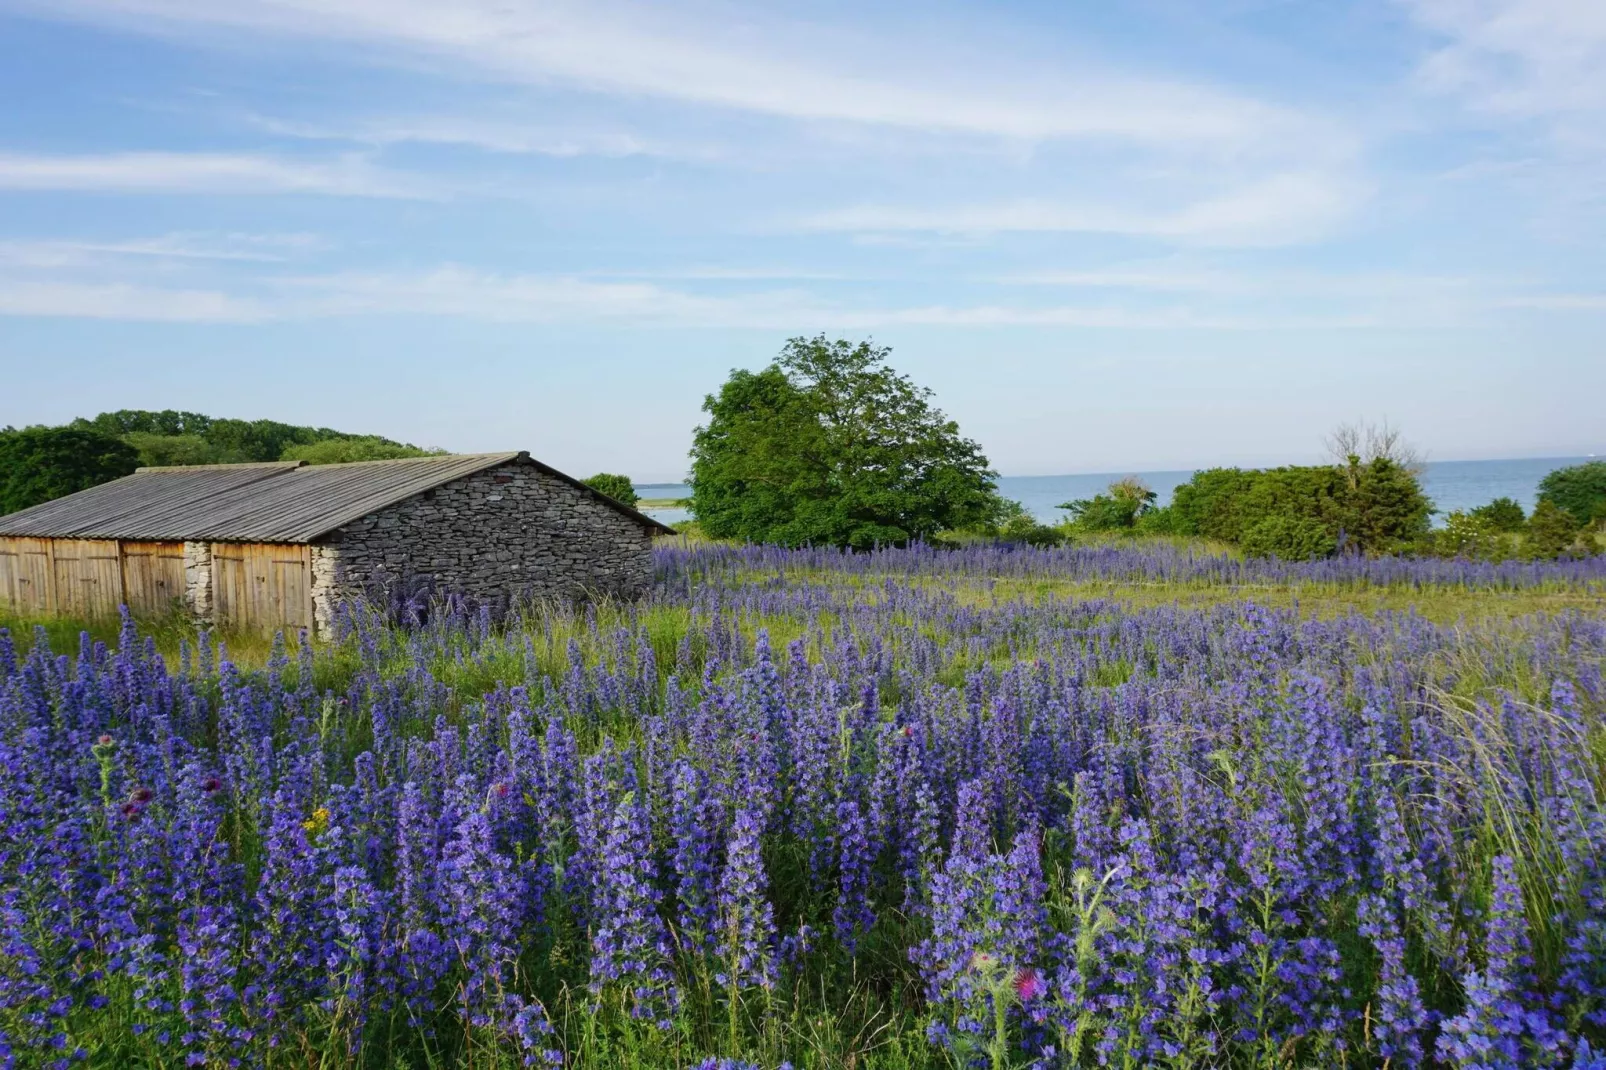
(269, 546)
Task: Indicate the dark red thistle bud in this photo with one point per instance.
(104, 741)
(140, 797)
(908, 731)
(211, 784)
(131, 810)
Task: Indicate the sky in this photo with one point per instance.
(1157, 234)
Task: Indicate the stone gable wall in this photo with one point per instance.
(507, 532)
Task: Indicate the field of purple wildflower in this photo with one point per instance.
(903, 809)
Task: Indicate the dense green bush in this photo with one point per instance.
(1369, 507)
(1502, 515)
(1292, 538)
(1472, 535)
(1118, 509)
(617, 487)
(1021, 526)
(41, 463)
(347, 450)
(1580, 490)
(1552, 531)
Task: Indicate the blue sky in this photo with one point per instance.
(1148, 235)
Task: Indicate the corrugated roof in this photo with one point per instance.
(285, 502)
(153, 503)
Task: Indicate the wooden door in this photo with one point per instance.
(153, 576)
(89, 577)
(25, 576)
(262, 585)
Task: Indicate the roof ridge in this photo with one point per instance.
(504, 454)
(215, 467)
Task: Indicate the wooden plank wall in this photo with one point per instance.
(262, 585)
(153, 576)
(90, 577)
(27, 581)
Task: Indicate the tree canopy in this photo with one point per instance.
(171, 437)
(615, 486)
(38, 464)
(1580, 489)
(829, 445)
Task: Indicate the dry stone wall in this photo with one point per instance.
(198, 579)
(511, 531)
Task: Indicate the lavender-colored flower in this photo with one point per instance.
(745, 920)
(630, 947)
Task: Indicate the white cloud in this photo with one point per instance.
(182, 246)
(124, 302)
(1281, 209)
(745, 59)
(459, 292)
(200, 172)
(1584, 302)
(1519, 57)
(479, 133)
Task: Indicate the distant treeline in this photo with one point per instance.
(40, 463)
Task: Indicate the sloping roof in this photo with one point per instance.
(283, 502)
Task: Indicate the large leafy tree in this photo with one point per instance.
(41, 463)
(1580, 489)
(829, 445)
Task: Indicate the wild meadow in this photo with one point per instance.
(992, 807)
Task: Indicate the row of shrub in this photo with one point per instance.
(1305, 512)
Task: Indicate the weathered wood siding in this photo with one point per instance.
(26, 582)
(153, 576)
(89, 577)
(262, 585)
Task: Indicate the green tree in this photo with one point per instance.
(829, 445)
(617, 487)
(1552, 531)
(1502, 515)
(1119, 508)
(157, 450)
(1579, 489)
(357, 448)
(41, 463)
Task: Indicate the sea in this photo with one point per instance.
(1451, 485)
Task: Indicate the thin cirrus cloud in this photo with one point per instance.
(1278, 210)
(561, 142)
(179, 246)
(1518, 57)
(464, 293)
(201, 172)
(127, 302)
(730, 62)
